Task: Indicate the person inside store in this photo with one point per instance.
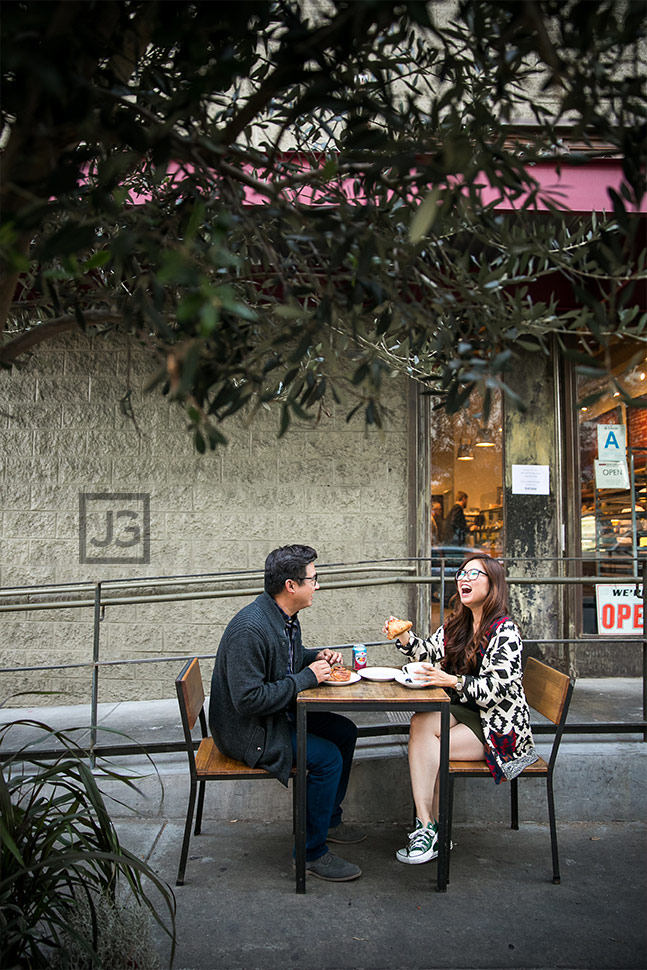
(476, 657)
(436, 533)
(260, 667)
(436, 523)
(456, 528)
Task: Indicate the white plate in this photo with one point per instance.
(378, 673)
(408, 681)
(354, 677)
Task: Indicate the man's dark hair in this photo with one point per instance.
(286, 562)
(460, 496)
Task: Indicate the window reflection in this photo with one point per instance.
(466, 485)
(613, 519)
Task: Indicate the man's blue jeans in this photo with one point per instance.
(330, 746)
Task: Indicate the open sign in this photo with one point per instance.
(620, 610)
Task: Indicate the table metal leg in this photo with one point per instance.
(300, 811)
(300, 821)
(443, 802)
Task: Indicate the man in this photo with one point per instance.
(260, 668)
(456, 527)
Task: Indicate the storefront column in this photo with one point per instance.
(531, 520)
(419, 502)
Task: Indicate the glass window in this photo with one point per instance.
(613, 498)
(466, 485)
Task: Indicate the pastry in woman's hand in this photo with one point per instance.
(395, 628)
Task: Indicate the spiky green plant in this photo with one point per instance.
(58, 845)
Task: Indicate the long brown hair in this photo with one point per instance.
(462, 641)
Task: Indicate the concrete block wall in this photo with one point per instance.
(335, 485)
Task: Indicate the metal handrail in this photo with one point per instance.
(185, 580)
(154, 582)
(100, 601)
(256, 590)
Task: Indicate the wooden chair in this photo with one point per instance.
(207, 763)
(549, 693)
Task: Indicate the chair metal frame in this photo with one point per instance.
(548, 692)
(207, 763)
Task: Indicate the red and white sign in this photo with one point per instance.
(620, 610)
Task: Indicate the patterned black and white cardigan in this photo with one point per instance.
(498, 692)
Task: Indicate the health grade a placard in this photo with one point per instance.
(620, 610)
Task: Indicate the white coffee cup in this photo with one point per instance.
(415, 669)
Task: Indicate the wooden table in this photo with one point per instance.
(371, 696)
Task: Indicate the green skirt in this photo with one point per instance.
(465, 715)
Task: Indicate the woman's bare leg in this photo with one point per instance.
(424, 758)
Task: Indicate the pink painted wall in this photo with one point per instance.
(580, 188)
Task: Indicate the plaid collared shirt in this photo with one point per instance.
(291, 628)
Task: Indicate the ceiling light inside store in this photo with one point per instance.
(465, 452)
(484, 438)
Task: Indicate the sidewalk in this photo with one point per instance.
(238, 909)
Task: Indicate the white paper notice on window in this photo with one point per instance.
(611, 474)
(531, 479)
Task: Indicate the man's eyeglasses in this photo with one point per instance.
(471, 574)
(311, 579)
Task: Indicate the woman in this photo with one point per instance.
(478, 657)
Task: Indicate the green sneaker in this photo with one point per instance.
(423, 845)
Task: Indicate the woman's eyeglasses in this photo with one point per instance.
(471, 574)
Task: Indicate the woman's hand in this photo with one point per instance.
(432, 676)
(403, 638)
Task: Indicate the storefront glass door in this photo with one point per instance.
(466, 486)
(613, 476)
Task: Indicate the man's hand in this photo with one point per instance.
(321, 669)
(332, 656)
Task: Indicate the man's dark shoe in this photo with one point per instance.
(333, 869)
(345, 834)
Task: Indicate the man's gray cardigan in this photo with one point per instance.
(251, 689)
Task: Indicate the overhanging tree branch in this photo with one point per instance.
(15, 347)
(373, 224)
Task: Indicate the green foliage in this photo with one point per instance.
(59, 851)
(261, 190)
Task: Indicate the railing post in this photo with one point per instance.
(644, 648)
(634, 523)
(95, 673)
(442, 590)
